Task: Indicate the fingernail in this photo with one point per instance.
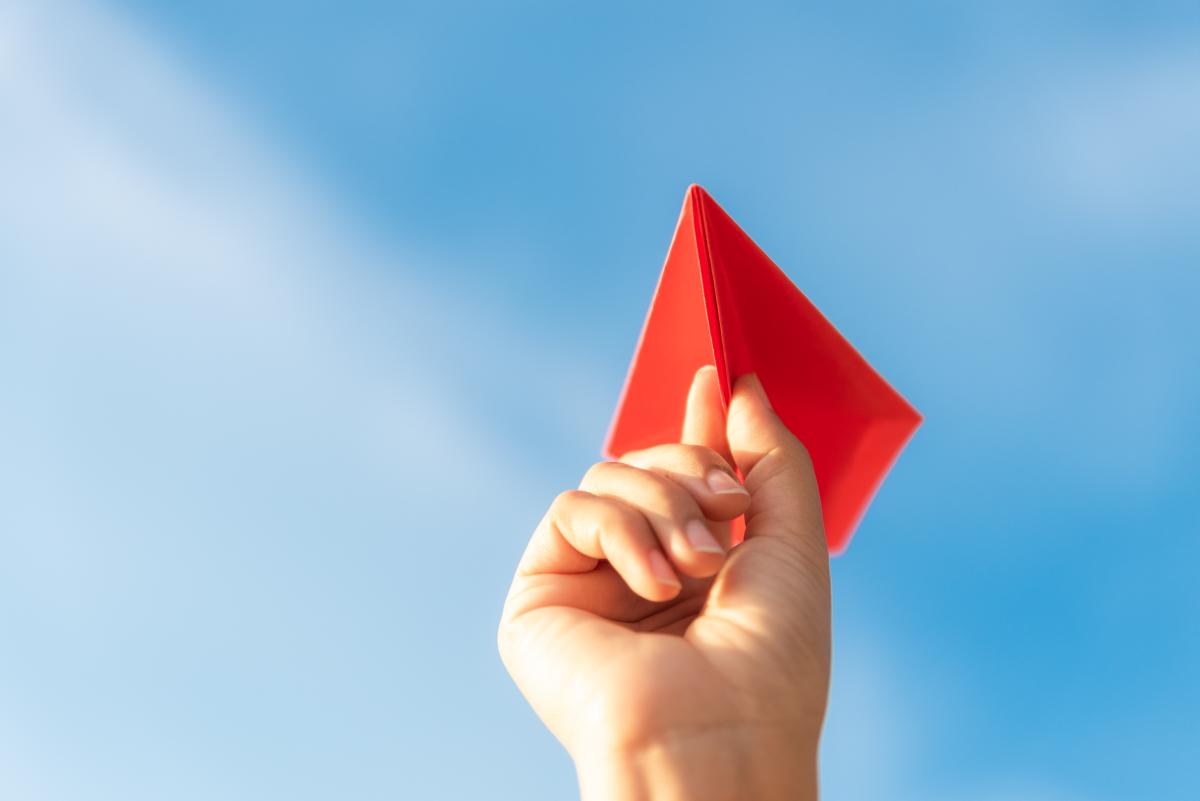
(701, 539)
(722, 483)
(662, 571)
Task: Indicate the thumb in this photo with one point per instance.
(775, 585)
(784, 501)
(704, 419)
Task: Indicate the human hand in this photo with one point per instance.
(668, 664)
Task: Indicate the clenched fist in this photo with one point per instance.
(668, 663)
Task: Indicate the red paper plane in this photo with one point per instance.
(722, 301)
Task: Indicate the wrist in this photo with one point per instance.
(713, 764)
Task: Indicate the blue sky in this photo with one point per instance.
(308, 310)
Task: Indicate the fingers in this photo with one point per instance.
(777, 470)
(653, 516)
(704, 473)
(704, 419)
(672, 511)
(581, 528)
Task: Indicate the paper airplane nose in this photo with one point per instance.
(721, 301)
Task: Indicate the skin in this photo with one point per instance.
(673, 667)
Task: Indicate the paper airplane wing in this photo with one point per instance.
(722, 301)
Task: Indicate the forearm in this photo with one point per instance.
(713, 765)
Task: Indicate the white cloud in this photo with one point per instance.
(155, 242)
(219, 392)
(1117, 135)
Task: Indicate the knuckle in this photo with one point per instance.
(785, 461)
(697, 457)
(701, 455)
(568, 498)
(620, 524)
(590, 474)
(635, 456)
(666, 494)
(649, 486)
(677, 457)
(611, 514)
(606, 516)
(601, 473)
(790, 447)
(798, 451)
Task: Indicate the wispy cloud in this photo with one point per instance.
(160, 255)
(230, 417)
(1117, 135)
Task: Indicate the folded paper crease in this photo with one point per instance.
(721, 301)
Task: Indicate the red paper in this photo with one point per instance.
(722, 301)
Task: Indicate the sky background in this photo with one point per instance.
(308, 310)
